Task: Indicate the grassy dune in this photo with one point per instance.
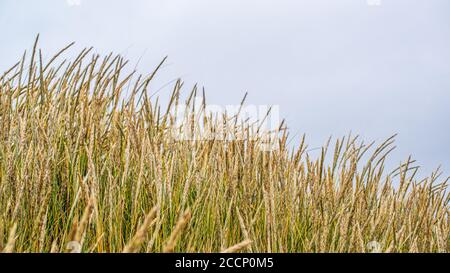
(88, 162)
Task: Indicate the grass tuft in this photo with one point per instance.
(87, 157)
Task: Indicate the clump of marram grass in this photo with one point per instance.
(81, 165)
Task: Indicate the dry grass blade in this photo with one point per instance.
(182, 222)
(135, 243)
(84, 221)
(238, 247)
(9, 248)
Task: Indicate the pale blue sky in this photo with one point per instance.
(332, 65)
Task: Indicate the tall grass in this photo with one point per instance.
(86, 163)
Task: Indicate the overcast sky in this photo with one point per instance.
(333, 66)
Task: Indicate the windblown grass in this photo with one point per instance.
(80, 165)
